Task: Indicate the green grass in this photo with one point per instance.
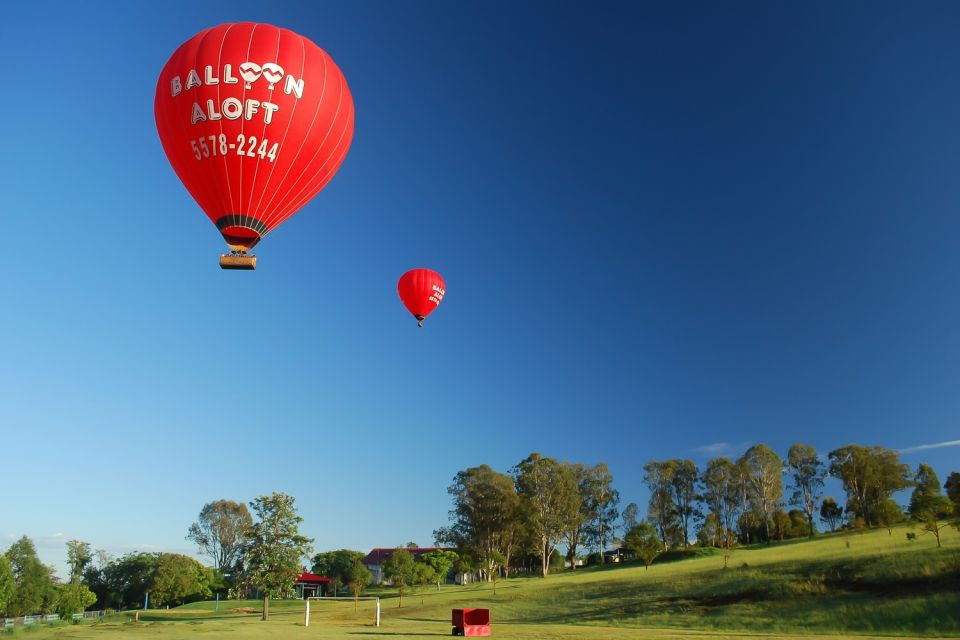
(867, 584)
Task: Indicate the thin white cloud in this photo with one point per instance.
(715, 448)
(721, 448)
(935, 445)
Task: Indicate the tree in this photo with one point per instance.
(799, 524)
(781, 524)
(928, 505)
(683, 485)
(869, 476)
(79, 557)
(486, 519)
(74, 597)
(926, 489)
(889, 514)
(932, 515)
(763, 468)
(642, 540)
(549, 500)
(630, 516)
(442, 562)
(807, 473)
(35, 592)
(710, 533)
(176, 578)
(399, 570)
(721, 493)
(602, 502)
(275, 548)
(337, 565)
(574, 530)
(358, 579)
(221, 531)
(500, 559)
(7, 583)
(952, 487)
(661, 509)
(127, 579)
(423, 575)
(831, 513)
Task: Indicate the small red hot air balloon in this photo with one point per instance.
(255, 120)
(421, 291)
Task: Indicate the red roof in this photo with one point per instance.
(311, 577)
(381, 555)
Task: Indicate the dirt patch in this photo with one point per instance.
(246, 610)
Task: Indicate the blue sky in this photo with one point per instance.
(666, 230)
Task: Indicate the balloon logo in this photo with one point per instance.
(255, 121)
(421, 291)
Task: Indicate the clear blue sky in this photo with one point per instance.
(663, 228)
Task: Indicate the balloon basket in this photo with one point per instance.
(238, 261)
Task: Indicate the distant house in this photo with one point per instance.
(619, 554)
(310, 585)
(375, 559)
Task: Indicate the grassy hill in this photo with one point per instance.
(868, 584)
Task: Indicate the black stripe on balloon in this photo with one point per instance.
(238, 220)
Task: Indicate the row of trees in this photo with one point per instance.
(743, 500)
(500, 521)
(263, 551)
(124, 582)
(27, 586)
(402, 569)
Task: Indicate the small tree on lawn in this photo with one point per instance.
(73, 597)
(889, 514)
(928, 505)
(932, 517)
(423, 574)
(442, 562)
(359, 578)
(276, 547)
(399, 570)
(643, 541)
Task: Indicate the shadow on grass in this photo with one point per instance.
(396, 633)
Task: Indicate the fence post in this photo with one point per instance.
(306, 614)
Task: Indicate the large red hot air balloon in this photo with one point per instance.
(255, 120)
(421, 291)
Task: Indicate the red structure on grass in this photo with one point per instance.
(471, 622)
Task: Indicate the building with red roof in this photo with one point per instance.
(310, 585)
(375, 559)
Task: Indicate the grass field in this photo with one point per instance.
(867, 584)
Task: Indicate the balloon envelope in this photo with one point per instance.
(421, 291)
(255, 120)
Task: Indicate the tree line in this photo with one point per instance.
(504, 523)
(262, 551)
(27, 586)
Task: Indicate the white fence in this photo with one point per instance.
(28, 621)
